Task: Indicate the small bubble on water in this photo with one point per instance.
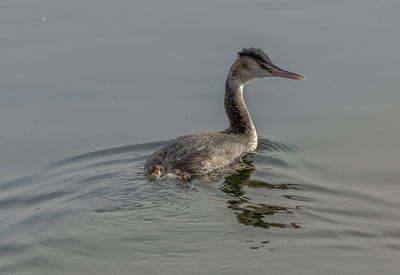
(113, 102)
(44, 19)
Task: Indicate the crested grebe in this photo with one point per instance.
(200, 153)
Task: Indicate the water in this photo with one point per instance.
(90, 88)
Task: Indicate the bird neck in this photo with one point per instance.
(239, 117)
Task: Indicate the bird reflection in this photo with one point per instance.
(246, 212)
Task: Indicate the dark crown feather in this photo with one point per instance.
(257, 54)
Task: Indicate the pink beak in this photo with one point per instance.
(276, 71)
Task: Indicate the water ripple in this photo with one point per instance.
(99, 204)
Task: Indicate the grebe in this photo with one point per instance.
(200, 153)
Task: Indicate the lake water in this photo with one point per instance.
(90, 88)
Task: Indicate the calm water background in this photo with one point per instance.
(90, 88)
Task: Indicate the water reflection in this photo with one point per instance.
(255, 214)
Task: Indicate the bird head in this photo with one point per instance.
(254, 63)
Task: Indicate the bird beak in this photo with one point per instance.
(276, 71)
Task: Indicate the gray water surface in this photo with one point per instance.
(90, 88)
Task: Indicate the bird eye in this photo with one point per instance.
(262, 65)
